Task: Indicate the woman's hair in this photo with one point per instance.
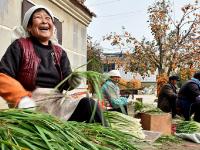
(30, 22)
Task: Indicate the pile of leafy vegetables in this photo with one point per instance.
(140, 107)
(28, 130)
(25, 129)
(125, 123)
(188, 127)
(168, 138)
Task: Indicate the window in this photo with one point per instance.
(108, 67)
(58, 25)
(25, 6)
(112, 66)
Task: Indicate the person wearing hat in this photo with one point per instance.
(189, 98)
(34, 64)
(111, 92)
(167, 96)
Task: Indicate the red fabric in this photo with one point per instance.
(102, 104)
(11, 90)
(30, 63)
(58, 53)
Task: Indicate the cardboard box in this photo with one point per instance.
(160, 122)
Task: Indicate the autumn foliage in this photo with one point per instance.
(94, 52)
(187, 73)
(175, 45)
(132, 84)
(161, 80)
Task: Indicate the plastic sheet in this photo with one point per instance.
(55, 103)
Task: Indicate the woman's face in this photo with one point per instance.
(41, 27)
(115, 78)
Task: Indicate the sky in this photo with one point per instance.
(132, 14)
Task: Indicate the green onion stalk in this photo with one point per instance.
(22, 129)
(95, 79)
(188, 127)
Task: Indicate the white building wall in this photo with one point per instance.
(9, 17)
(131, 75)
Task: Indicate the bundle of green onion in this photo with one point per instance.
(125, 123)
(24, 130)
(188, 127)
(140, 107)
(95, 79)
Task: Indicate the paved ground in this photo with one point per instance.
(184, 145)
(147, 99)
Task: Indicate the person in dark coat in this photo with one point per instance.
(189, 98)
(167, 96)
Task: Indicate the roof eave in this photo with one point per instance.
(83, 8)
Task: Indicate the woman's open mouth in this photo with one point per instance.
(44, 29)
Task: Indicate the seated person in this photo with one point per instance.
(111, 92)
(189, 98)
(167, 96)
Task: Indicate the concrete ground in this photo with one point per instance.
(147, 99)
(183, 145)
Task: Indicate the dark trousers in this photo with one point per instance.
(188, 109)
(167, 105)
(195, 108)
(173, 107)
(84, 110)
(184, 106)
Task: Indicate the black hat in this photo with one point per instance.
(197, 75)
(174, 78)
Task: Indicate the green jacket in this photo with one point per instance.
(111, 93)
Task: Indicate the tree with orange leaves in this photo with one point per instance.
(175, 45)
(94, 52)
